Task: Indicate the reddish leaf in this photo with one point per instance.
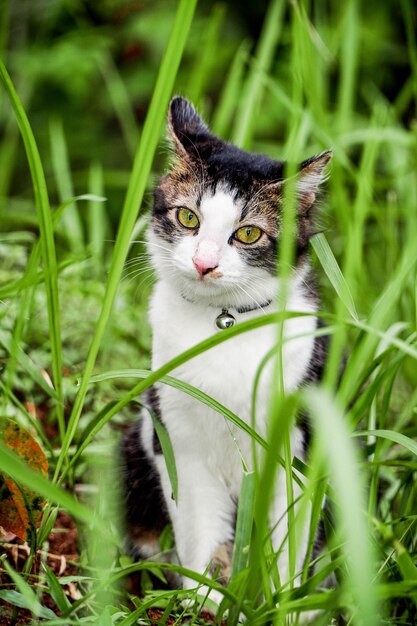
(20, 508)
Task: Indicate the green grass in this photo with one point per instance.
(315, 79)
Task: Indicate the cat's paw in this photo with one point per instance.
(206, 598)
(221, 563)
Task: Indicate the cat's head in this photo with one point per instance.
(217, 214)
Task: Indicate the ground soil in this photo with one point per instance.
(63, 559)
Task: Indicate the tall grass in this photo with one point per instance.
(367, 267)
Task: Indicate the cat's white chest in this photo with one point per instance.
(226, 372)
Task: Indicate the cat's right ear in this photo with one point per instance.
(186, 128)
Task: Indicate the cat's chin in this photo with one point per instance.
(205, 292)
(218, 294)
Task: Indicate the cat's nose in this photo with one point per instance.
(203, 267)
(207, 256)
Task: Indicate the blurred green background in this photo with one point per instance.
(91, 66)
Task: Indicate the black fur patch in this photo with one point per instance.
(314, 374)
(152, 400)
(146, 513)
(162, 225)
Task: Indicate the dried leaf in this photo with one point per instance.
(20, 508)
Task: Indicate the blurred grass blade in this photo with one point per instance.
(137, 186)
(380, 316)
(107, 503)
(409, 23)
(97, 219)
(252, 91)
(121, 101)
(60, 162)
(336, 447)
(348, 64)
(244, 523)
(333, 272)
(405, 564)
(205, 61)
(17, 599)
(390, 435)
(231, 92)
(47, 240)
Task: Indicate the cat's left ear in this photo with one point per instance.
(187, 130)
(312, 173)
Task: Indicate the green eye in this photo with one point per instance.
(248, 234)
(187, 218)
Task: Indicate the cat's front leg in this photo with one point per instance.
(202, 517)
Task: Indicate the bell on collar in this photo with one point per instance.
(225, 320)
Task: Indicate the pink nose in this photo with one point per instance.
(204, 266)
(207, 257)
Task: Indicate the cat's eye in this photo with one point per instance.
(187, 218)
(248, 234)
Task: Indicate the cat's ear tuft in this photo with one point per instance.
(312, 174)
(184, 119)
(185, 125)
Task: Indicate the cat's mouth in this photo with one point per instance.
(212, 279)
(208, 275)
(214, 282)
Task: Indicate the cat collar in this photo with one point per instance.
(226, 320)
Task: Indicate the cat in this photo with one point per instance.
(213, 238)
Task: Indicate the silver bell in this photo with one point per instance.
(225, 320)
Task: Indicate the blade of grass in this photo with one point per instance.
(250, 99)
(244, 523)
(336, 448)
(60, 163)
(96, 217)
(390, 435)
(380, 316)
(47, 240)
(348, 65)
(229, 99)
(121, 101)
(137, 186)
(333, 272)
(205, 62)
(56, 591)
(168, 453)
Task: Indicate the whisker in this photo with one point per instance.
(253, 299)
(135, 274)
(152, 243)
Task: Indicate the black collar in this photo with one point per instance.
(246, 309)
